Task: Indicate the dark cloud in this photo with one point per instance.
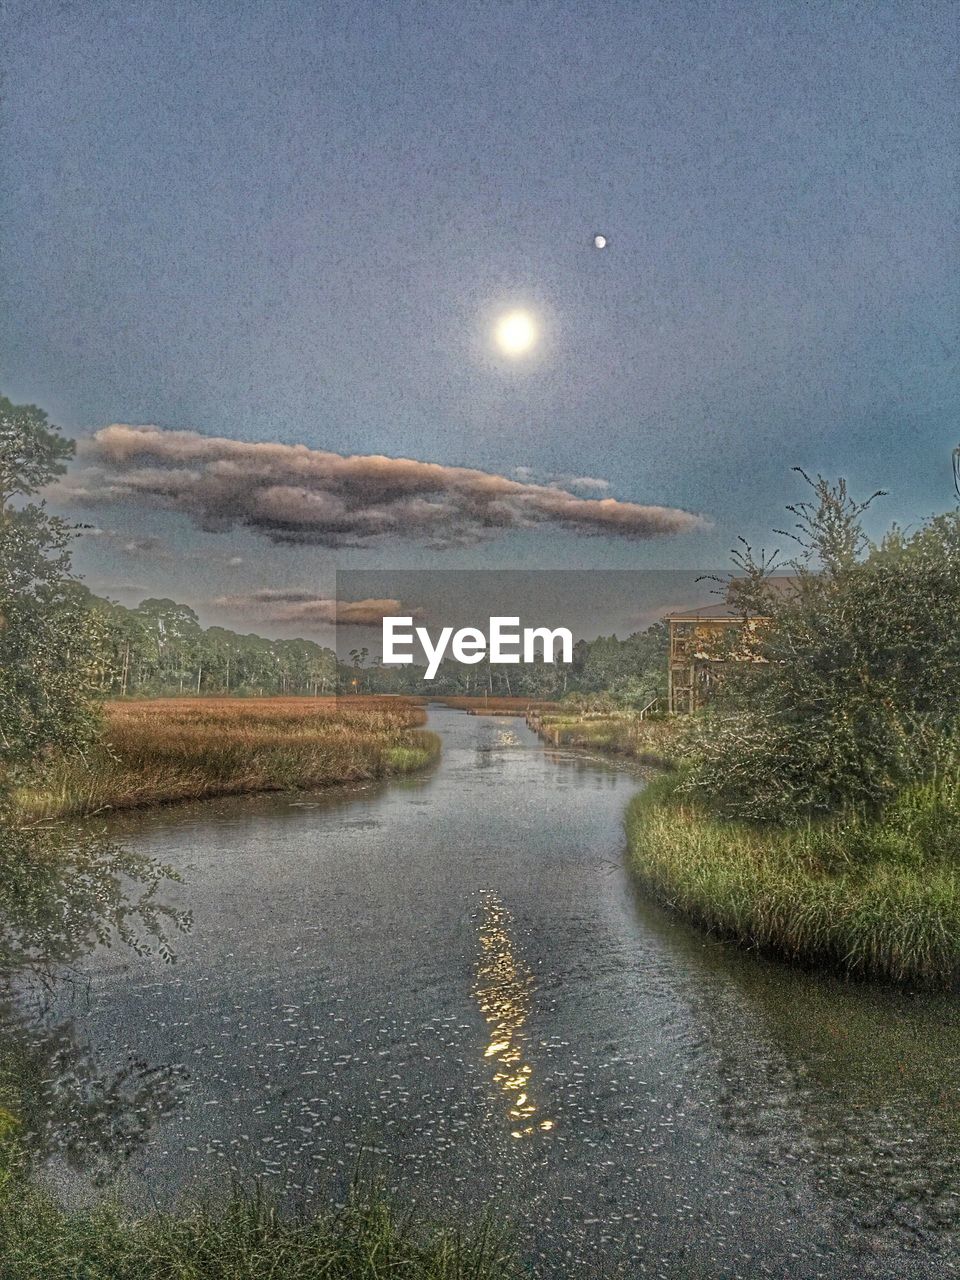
(280, 606)
(294, 494)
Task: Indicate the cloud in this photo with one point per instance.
(305, 606)
(581, 484)
(578, 484)
(294, 494)
(129, 546)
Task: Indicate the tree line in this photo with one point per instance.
(159, 649)
(630, 672)
(57, 636)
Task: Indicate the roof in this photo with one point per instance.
(726, 610)
(694, 613)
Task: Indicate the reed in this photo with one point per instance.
(650, 741)
(189, 749)
(244, 1239)
(875, 895)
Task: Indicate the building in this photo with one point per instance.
(700, 639)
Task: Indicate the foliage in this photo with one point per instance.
(160, 648)
(62, 891)
(848, 697)
(49, 640)
(873, 895)
(654, 739)
(368, 1239)
(31, 452)
(629, 673)
(195, 748)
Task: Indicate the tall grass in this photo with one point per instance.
(190, 749)
(877, 895)
(246, 1239)
(650, 741)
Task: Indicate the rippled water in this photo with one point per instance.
(454, 973)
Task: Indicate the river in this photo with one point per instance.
(454, 974)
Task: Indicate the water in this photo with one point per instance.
(455, 974)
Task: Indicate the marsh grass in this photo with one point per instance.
(650, 741)
(244, 1239)
(190, 749)
(877, 895)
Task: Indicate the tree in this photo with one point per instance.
(50, 641)
(31, 452)
(850, 693)
(63, 889)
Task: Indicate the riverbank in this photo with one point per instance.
(872, 896)
(165, 750)
(652, 740)
(368, 1240)
(492, 706)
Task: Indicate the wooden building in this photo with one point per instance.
(700, 640)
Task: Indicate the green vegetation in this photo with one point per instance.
(601, 724)
(409, 758)
(630, 674)
(191, 749)
(159, 649)
(246, 1239)
(850, 691)
(817, 810)
(65, 888)
(873, 895)
(62, 650)
(49, 639)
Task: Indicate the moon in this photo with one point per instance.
(515, 333)
(599, 240)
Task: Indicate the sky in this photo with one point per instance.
(293, 226)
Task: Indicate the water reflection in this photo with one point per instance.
(491, 743)
(715, 1114)
(63, 893)
(57, 1103)
(502, 990)
(855, 1086)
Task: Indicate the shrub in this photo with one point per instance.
(850, 691)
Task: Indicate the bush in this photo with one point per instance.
(877, 896)
(850, 690)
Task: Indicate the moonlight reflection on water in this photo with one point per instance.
(423, 969)
(503, 992)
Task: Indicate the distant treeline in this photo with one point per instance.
(159, 648)
(633, 672)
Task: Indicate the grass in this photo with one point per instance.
(650, 741)
(245, 1239)
(874, 895)
(194, 748)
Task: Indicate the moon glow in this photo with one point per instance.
(515, 333)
